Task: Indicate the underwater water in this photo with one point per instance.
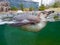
(49, 35)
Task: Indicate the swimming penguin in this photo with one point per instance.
(30, 22)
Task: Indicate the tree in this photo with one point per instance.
(42, 7)
(21, 7)
(31, 8)
(56, 4)
(14, 8)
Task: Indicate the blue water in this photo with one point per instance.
(50, 35)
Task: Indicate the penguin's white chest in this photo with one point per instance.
(36, 27)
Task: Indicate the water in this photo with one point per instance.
(49, 35)
(35, 27)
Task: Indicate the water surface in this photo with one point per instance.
(49, 35)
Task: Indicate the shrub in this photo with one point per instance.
(56, 4)
(42, 7)
(31, 8)
(56, 17)
(14, 8)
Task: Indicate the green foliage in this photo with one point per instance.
(21, 7)
(14, 8)
(56, 4)
(56, 17)
(31, 8)
(42, 7)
